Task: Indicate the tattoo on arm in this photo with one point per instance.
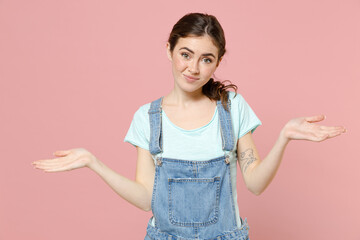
(246, 158)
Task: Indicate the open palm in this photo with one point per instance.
(67, 160)
(304, 128)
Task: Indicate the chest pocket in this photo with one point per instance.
(193, 202)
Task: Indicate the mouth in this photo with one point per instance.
(190, 78)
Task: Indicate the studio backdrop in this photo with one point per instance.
(73, 73)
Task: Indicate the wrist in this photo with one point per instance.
(93, 164)
(283, 137)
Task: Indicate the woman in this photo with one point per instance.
(189, 141)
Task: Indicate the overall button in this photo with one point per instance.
(158, 161)
(227, 161)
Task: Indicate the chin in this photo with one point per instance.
(191, 89)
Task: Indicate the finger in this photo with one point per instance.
(317, 136)
(52, 160)
(322, 137)
(330, 134)
(316, 118)
(332, 130)
(51, 164)
(38, 162)
(335, 128)
(61, 152)
(41, 167)
(58, 169)
(336, 133)
(48, 165)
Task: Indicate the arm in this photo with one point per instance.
(258, 174)
(138, 192)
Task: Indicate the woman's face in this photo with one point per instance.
(194, 60)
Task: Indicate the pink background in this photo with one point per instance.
(73, 73)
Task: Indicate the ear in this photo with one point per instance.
(168, 51)
(217, 64)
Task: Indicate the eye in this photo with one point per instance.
(185, 55)
(207, 60)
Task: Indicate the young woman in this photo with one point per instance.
(189, 142)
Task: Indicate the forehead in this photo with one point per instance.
(202, 44)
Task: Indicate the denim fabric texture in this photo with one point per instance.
(241, 233)
(192, 199)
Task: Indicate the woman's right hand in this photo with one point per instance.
(67, 160)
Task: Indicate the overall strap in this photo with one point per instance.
(226, 127)
(155, 145)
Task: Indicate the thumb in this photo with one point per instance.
(61, 152)
(316, 118)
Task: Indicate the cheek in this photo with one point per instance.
(178, 64)
(208, 71)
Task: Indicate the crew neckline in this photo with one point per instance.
(190, 130)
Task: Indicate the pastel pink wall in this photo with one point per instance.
(72, 74)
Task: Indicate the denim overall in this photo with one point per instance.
(193, 199)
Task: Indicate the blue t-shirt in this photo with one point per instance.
(202, 143)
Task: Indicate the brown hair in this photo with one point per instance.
(200, 24)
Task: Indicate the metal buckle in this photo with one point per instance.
(158, 161)
(227, 159)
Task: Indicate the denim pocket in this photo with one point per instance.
(193, 201)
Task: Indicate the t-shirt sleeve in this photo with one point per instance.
(138, 133)
(247, 118)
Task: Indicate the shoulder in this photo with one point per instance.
(144, 108)
(235, 98)
(142, 111)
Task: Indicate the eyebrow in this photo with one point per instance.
(205, 54)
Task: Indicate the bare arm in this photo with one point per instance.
(258, 174)
(138, 192)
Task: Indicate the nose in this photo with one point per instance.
(193, 67)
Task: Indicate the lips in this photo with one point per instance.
(190, 78)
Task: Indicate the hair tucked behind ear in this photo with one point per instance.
(218, 91)
(200, 24)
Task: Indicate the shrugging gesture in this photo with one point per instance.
(195, 48)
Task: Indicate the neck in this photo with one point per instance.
(181, 98)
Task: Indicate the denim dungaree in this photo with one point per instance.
(193, 199)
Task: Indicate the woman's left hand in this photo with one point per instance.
(304, 128)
